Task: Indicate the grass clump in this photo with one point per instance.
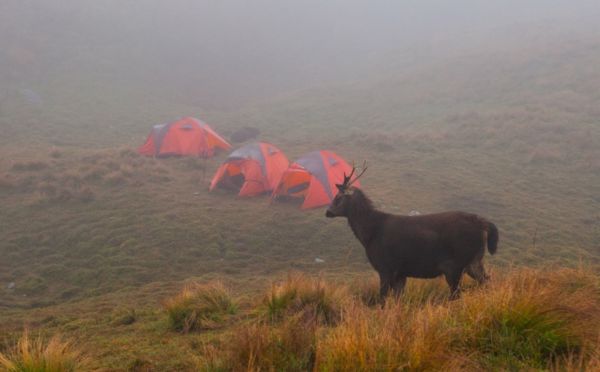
(389, 338)
(36, 355)
(527, 319)
(532, 318)
(312, 298)
(258, 346)
(200, 306)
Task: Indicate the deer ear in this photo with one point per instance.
(340, 187)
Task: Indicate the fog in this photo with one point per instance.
(227, 53)
(481, 106)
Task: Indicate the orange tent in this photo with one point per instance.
(313, 177)
(253, 169)
(187, 136)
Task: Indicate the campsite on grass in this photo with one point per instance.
(282, 185)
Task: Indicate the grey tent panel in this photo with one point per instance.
(313, 162)
(158, 133)
(249, 151)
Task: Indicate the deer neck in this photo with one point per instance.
(363, 220)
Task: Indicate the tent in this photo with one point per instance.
(253, 169)
(187, 136)
(313, 177)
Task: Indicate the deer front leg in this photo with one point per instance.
(385, 283)
(398, 285)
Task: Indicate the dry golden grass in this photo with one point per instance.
(36, 355)
(525, 319)
(259, 346)
(308, 297)
(533, 316)
(200, 306)
(394, 337)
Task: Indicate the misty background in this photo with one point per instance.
(490, 107)
(224, 54)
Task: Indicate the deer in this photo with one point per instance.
(422, 246)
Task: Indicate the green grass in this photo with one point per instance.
(200, 307)
(95, 238)
(310, 299)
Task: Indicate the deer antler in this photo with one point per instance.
(347, 178)
(364, 168)
(351, 173)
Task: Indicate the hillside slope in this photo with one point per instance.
(91, 231)
(521, 149)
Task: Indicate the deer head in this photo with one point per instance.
(339, 205)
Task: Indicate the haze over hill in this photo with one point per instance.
(488, 107)
(224, 53)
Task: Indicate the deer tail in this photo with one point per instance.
(492, 237)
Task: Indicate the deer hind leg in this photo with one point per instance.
(476, 270)
(453, 274)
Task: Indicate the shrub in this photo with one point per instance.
(200, 306)
(36, 355)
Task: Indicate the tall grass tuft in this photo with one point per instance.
(389, 338)
(258, 346)
(35, 355)
(526, 319)
(311, 298)
(532, 317)
(200, 306)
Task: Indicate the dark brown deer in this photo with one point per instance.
(424, 246)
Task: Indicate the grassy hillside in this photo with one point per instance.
(95, 238)
(526, 319)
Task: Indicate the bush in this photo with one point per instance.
(36, 355)
(200, 306)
